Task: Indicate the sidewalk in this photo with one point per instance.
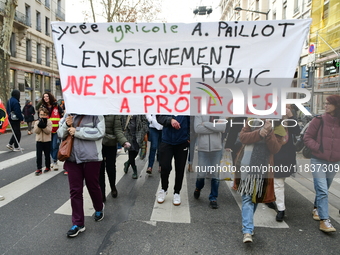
(305, 178)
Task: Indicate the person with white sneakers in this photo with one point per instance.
(175, 144)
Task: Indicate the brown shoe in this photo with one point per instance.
(315, 214)
(326, 226)
(190, 168)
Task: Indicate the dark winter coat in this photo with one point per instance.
(113, 131)
(287, 154)
(329, 134)
(28, 112)
(14, 105)
(171, 135)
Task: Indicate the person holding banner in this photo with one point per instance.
(209, 146)
(15, 119)
(113, 133)
(135, 128)
(84, 165)
(56, 113)
(155, 138)
(175, 144)
(254, 181)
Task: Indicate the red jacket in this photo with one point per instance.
(330, 138)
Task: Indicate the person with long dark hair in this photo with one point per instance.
(56, 113)
(323, 138)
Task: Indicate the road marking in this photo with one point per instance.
(264, 216)
(309, 195)
(66, 209)
(17, 160)
(19, 187)
(167, 212)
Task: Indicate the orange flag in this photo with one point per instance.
(3, 118)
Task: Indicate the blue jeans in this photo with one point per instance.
(54, 147)
(248, 211)
(322, 178)
(206, 159)
(155, 137)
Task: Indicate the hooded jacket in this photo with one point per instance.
(14, 105)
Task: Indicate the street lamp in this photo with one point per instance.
(238, 8)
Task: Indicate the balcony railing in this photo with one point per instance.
(29, 58)
(39, 61)
(60, 15)
(39, 28)
(48, 63)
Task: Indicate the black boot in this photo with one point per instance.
(126, 166)
(280, 215)
(134, 175)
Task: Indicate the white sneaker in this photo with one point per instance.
(55, 166)
(2, 198)
(18, 149)
(177, 199)
(247, 238)
(10, 147)
(161, 196)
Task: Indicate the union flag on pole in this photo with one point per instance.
(3, 118)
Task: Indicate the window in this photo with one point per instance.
(47, 3)
(38, 20)
(47, 56)
(28, 15)
(325, 10)
(47, 83)
(47, 26)
(28, 50)
(38, 53)
(12, 46)
(296, 6)
(284, 12)
(11, 79)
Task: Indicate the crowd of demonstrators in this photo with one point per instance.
(29, 112)
(84, 164)
(256, 186)
(55, 114)
(113, 134)
(135, 128)
(42, 129)
(155, 138)
(209, 146)
(175, 143)
(15, 117)
(323, 138)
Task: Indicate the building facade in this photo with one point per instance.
(33, 64)
(274, 10)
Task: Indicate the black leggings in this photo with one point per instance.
(132, 157)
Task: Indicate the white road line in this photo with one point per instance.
(264, 216)
(23, 185)
(13, 161)
(167, 212)
(309, 195)
(66, 209)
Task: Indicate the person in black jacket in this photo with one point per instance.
(13, 108)
(285, 164)
(175, 143)
(29, 113)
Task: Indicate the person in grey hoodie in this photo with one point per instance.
(209, 145)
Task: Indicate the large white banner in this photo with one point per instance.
(138, 68)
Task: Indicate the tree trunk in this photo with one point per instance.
(5, 55)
